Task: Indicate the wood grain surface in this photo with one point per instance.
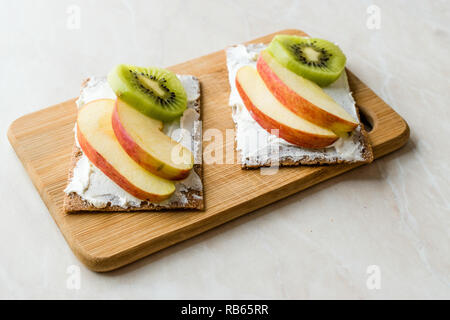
(103, 241)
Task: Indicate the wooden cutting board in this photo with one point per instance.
(43, 141)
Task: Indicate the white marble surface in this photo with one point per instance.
(394, 213)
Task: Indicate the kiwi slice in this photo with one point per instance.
(315, 59)
(155, 92)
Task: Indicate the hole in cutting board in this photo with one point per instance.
(366, 120)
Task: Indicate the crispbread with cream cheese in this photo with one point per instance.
(187, 198)
(257, 148)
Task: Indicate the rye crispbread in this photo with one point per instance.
(74, 203)
(357, 149)
(361, 137)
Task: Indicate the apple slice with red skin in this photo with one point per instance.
(98, 142)
(304, 97)
(141, 137)
(271, 114)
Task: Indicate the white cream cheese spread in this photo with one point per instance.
(93, 186)
(256, 146)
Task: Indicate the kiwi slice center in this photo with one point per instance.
(155, 87)
(310, 54)
(151, 84)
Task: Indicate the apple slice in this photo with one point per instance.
(98, 142)
(143, 140)
(271, 114)
(303, 96)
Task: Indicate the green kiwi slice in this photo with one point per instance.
(155, 92)
(315, 59)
